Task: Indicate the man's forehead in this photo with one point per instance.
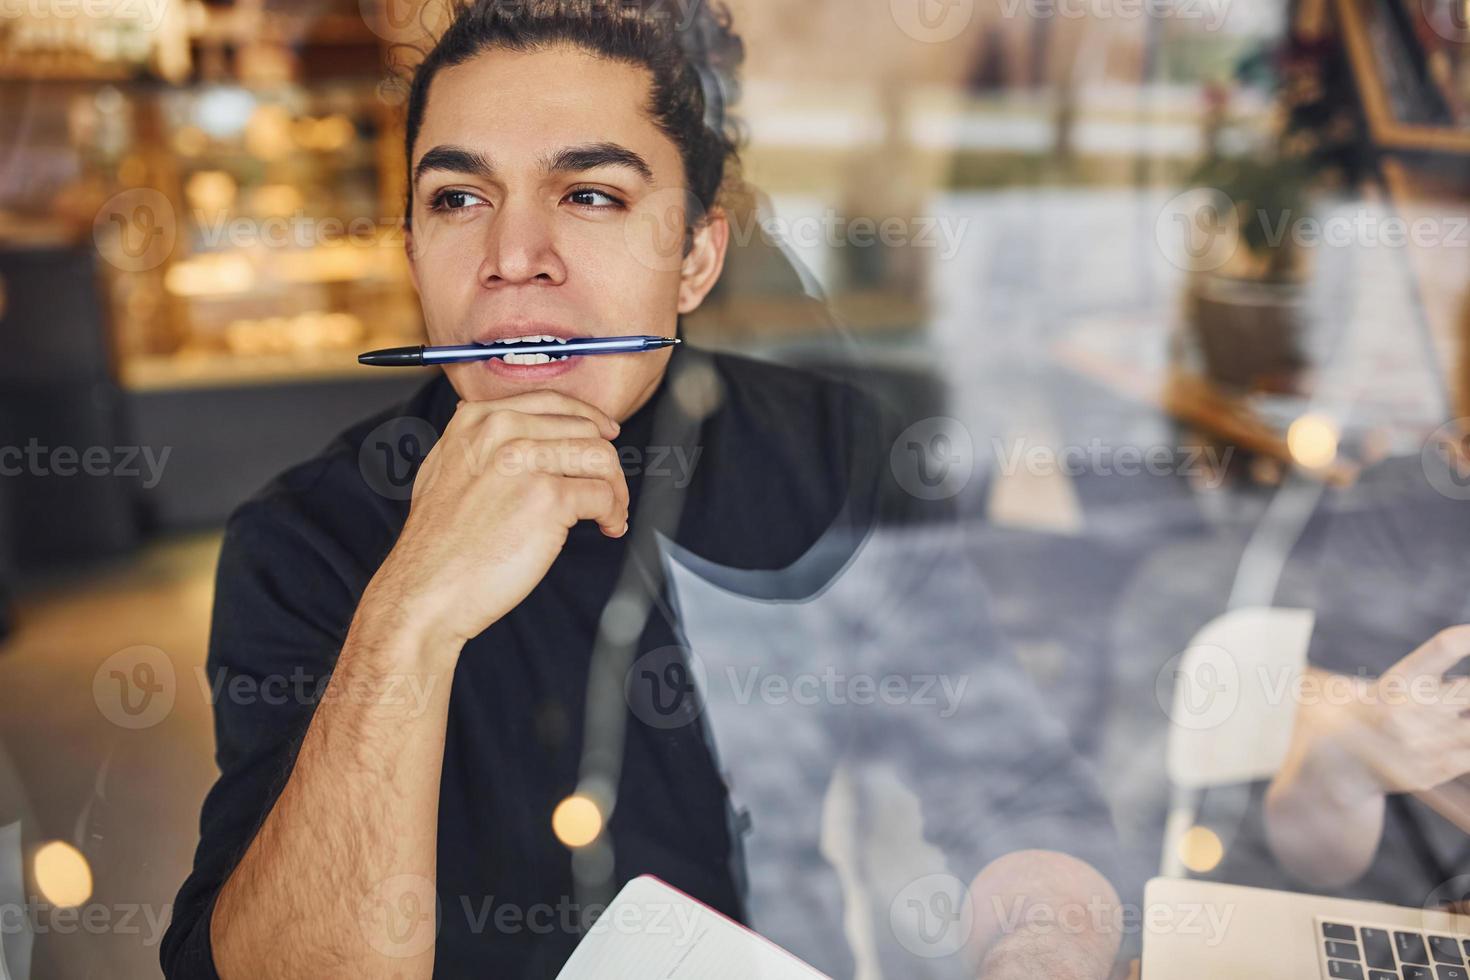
(520, 108)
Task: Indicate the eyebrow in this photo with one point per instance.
(570, 159)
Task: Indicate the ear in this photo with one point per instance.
(413, 269)
(706, 260)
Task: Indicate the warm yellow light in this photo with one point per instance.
(1200, 849)
(210, 274)
(132, 171)
(190, 141)
(62, 874)
(268, 133)
(1312, 441)
(576, 821)
(333, 132)
(277, 199)
(210, 190)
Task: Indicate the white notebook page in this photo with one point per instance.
(651, 931)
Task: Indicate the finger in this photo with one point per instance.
(590, 458)
(596, 458)
(1440, 703)
(594, 500)
(506, 426)
(1457, 690)
(1424, 695)
(1447, 648)
(526, 425)
(564, 427)
(544, 402)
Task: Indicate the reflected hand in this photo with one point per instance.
(1406, 731)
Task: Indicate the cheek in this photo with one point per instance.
(440, 241)
(629, 297)
(615, 388)
(624, 257)
(448, 280)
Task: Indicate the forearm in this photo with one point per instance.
(1043, 914)
(1324, 819)
(330, 884)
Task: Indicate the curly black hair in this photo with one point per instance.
(688, 47)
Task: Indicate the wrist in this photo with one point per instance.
(407, 626)
(1329, 764)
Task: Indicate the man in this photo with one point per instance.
(1373, 798)
(444, 759)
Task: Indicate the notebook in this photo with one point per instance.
(653, 931)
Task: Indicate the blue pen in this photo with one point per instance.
(421, 356)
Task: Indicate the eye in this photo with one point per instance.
(590, 196)
(453, 200)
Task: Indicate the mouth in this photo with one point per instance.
(530, 338)
(526, 331)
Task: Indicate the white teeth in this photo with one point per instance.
(543, 338)
(528, 358)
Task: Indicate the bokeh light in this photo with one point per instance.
(576, 821)
(62, 874)
(1200, 849)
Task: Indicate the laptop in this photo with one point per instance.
(1200, 930)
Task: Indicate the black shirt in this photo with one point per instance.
(782, 458)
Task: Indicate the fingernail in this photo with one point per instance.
(625, 529)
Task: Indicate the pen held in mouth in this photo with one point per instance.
(577, 346)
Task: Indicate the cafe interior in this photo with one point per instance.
(1183, 287)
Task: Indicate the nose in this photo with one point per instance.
(520, 247)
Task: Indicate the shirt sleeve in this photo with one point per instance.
(281, 611)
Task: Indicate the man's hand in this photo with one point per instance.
(1404, 732)
(492, 505)
(1407, 729)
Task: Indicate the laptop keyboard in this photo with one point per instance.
(1359, 952)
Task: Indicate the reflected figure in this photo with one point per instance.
(1361, 741)
(1374, 797)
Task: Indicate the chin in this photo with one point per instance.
(589, 379)
(479, 381)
